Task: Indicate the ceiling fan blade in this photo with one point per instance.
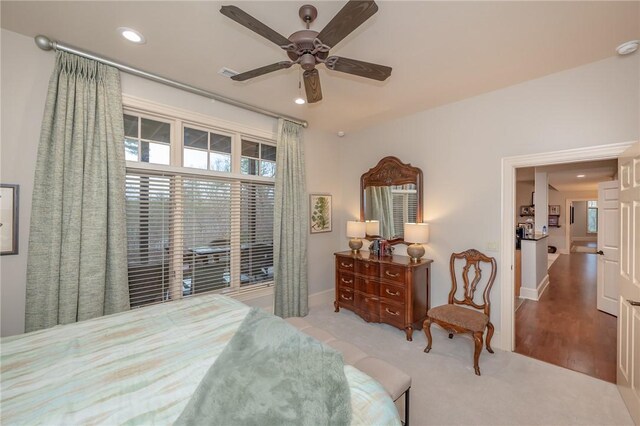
(243, 18)
(361, 68)
(350, 17)
(262, 70)
(312, 86)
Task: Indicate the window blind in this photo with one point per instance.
(190, 234)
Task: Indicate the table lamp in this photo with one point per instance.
(416, 234)
(373, 228)
(356, 230)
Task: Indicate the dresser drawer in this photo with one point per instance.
(392, 292)
(345, 279)
(364, 267)
(369, 306)
(393, 273)
(392, 314)
(367, 285)
(345, 264)
(346, 296)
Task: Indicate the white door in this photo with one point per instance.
(608, 247)
(628, 362)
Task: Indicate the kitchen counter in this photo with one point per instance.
(535, 237)
(534, 266)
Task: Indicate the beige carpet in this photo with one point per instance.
(513, 389)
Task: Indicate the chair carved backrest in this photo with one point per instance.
(474, 259)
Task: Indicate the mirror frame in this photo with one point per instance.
(391, 171)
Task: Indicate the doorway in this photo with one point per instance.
(509, 166)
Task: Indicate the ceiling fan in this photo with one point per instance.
(309, 48)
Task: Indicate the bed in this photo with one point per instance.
(137, 367)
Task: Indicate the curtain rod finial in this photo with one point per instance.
(43, 42)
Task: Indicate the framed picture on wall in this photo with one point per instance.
(554, 210)
(320, 211)
(9, 197)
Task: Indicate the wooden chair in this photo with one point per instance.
(458, 319)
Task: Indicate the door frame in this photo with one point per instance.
(567, 220)
(508, 209)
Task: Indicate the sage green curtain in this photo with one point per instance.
(77, 264)
(291, 224)
(380, 207)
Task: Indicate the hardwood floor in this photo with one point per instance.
(564, 327)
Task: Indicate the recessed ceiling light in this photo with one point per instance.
(341, 134)
(580, 176)
(132, 35)
(628, 47)
(300, 101)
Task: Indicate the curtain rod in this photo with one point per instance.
(45, 43)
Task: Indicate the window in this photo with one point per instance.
(592, 217)
(405, 206)
(203, 226)
(146, 140)
(258, 159)
(206, 150)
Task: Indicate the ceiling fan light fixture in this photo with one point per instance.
(132, 35)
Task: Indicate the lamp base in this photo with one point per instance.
(415, 252)
(355, 244)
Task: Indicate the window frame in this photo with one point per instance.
(178, 120)
(596, 219)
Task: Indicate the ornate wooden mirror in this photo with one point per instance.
(391, 193)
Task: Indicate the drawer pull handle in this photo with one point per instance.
(346, 265)
(397, 293)
(345, 297)
(373, 299)
(366, 265)
(346, 281)
(391, 275)
(391, 312)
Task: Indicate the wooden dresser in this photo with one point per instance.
(391, 289)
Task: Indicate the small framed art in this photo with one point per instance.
(320, 211)
(9, 197)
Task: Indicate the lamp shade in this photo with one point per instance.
(417, 233)
(373, 227)
(356, 229)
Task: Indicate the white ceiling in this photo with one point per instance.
(440, 51)
(564, 177)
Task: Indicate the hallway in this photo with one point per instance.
(564, 327)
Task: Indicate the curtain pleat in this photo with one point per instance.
(77, 262)
(291, 222)
(380, 207)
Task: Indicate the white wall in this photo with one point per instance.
(523, 198)
(25, 75)
(557, 236)
(460, 146)
(579, 227)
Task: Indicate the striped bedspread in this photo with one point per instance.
(135, 368)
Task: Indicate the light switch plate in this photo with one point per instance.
(492, 246)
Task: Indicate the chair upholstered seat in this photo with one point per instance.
(462, 317)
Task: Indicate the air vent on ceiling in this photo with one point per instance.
(224, 71)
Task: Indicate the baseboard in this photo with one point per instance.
(564, 251)
(324, 297)
(535, 293)
(594, 239)
(543, 286)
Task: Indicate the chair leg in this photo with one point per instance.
(426, 326)
(406, 407)
(477, 337)
(489, 336)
